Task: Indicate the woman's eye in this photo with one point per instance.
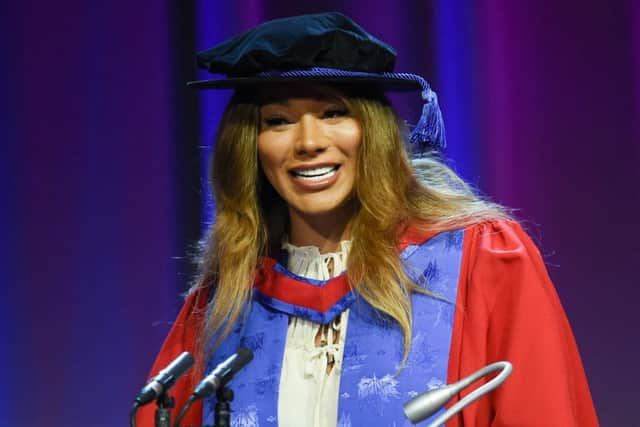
(275, 121)
(334, 113)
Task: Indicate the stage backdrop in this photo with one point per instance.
(103, 150)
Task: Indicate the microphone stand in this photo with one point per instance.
(163, 411)
(216, 381)
(222, 413)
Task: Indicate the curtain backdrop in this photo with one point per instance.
(103, 152)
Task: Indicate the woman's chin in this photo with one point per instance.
(321, 205)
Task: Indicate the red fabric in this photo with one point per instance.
(413, 236)
(182, 337)
(286, 289)
(507, 309)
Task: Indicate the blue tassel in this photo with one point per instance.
(429, 131)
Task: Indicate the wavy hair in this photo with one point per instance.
(391, 193)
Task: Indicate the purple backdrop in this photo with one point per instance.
(542, 106)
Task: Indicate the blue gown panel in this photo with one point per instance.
(372, 389)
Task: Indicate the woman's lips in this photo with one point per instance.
(315, 173)
(315, 178)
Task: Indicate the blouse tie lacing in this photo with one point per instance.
(313, 352)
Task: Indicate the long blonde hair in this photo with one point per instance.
(391, 193)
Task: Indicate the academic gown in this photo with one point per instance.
(506, 308)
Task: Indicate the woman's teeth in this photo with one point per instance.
(315, 174)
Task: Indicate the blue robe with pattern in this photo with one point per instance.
(372, 391)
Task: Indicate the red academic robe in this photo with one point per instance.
(508, 309)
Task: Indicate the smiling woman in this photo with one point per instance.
(308, 150)
(358, 276)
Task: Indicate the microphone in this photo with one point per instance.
(164, 379)
(223, 373)
(423, 406)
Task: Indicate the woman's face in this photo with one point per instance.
(308, 146)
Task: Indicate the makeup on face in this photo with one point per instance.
(308, 146)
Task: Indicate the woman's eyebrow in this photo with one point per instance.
(284, 101)
(277, 101)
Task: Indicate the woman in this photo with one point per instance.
(358, 278)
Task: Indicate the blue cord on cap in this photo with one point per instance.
(429, 131)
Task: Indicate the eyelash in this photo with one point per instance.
(275, 121)
(332, 113)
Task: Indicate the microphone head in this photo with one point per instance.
(230, 367)
(164, 379)
(223, 373)
(426, 404)
(244, 357)
(179, 365)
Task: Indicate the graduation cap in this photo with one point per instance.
(319, 48)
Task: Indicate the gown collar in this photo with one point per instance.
(316, 297)
(301, 284)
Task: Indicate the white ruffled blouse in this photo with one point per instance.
(310, 378)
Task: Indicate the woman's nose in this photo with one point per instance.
(311, 139)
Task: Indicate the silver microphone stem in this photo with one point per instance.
(426, 404)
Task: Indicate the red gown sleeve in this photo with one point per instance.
(182, 337)
(508, 309)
